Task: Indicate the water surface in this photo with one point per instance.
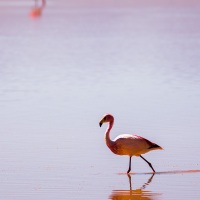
(61, 71)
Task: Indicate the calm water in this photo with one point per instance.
(61, 71)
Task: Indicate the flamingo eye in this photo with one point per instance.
(104, 119)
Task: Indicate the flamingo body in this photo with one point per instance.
(131, 145)
(36, 11)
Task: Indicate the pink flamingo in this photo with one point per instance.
(131, 145)
(36, 11)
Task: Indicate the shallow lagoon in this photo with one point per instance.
(61, 71)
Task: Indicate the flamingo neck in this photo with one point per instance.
(109, 142)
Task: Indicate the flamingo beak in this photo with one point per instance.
(100, 123)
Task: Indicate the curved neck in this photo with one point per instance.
(109, 142)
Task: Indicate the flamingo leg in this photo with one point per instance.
(129, 169)
(150, 165)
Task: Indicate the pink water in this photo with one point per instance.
(62, 70)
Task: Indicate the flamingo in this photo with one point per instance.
(131, 145)
(36, 11)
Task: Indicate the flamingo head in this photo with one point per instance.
(106, 118)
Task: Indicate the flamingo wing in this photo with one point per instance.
(133, 145)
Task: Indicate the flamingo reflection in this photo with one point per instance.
(36, 11)
(137, 194)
